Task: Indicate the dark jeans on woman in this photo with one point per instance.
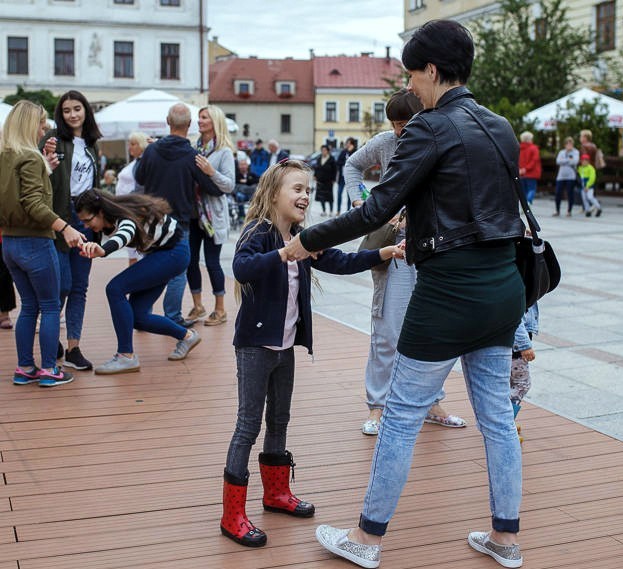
(75, 271)
(565, 187)
(144, 282)
(7, 292)
(263, 376)
(212, 255)
(33, 264)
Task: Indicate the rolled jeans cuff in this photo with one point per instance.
(219, 293)
(499, 524)
(373, 528)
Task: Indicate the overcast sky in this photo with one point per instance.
(284, 28)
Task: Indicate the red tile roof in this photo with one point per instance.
(264, 73)
(363, 72)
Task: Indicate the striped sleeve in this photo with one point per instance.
(124, 233)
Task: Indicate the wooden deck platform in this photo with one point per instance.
(125, 471)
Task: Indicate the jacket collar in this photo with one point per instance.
(453, 94)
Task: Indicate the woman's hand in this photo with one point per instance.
(204, 165)
(52, 159)
(392, 252)
(73, 237)
(50, 146)
(295, 251)
(91, 250)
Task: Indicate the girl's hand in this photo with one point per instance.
(50, 146)
(527, 355)
(91, 250)
(204, 165)
(73, 237)
(392, 252)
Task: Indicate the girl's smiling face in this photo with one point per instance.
(74, 115)
(292, 200)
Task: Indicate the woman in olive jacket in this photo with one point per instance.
(28, 226)
(75, 142)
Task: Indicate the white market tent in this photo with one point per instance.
(545, 116)
(145, 112)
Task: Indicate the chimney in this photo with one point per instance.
(215, 39)
(311, 54)
(365, 54)
(387, 56)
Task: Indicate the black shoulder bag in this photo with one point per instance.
(536, 260)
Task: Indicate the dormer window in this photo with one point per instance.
(243, 87)
(285, 88)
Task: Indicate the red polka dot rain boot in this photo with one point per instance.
(275, 471)
(234, 523)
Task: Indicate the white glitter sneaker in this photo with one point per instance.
(505, 555)
(371, 427)
(336, 541)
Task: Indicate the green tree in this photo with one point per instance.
(44, 97)
(527, 59)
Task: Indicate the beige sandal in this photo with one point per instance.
(215, 319)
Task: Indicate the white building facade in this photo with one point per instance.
(107, 49)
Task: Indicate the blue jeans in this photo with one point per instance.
(263, 376)
(33, 264)
(172, 302)
(144, 282)
(565, 187)
(528, 185)
(340, 190)
(414, 386)
(212, 256)
(75, 271)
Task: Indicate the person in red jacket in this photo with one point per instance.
(529, 165)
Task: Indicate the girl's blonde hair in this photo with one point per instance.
(262, 204)
(21, 129)
(220, 127)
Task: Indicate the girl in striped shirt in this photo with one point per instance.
(143, 222)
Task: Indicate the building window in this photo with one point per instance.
(330, 111)
(124, 59)
(244, 89)
(286, 124)
(379, 112)
(231, 116)
(169, 61)
(605, 25)
(353, 112)
(124, 1)
(284, 88)
(17, 49)
(64, 57)
(416, 4)
(169, 2)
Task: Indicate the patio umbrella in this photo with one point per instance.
(545, 116)
(145, 112)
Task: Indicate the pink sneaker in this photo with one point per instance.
(53, 378)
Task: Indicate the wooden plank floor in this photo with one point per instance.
(125, 471)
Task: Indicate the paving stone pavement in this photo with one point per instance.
(578, 371)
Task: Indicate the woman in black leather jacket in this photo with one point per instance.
(463, 217)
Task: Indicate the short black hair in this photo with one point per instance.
(402, 105)
(446, 44)
(90, 131)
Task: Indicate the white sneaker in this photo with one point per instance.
(506, 555)
(119, 364)
(183, 347)
(336, 541)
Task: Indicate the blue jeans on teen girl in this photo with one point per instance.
(414, 387)
(565, 187)
(75, 271)
(133, 292)
(33, 264)
(212, 256)
(263, 376)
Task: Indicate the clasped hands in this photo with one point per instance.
(294, 251)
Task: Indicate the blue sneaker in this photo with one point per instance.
(53, 378)
(24, 377)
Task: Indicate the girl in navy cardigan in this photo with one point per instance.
(275, 315)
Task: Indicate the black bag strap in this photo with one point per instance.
(514, 174)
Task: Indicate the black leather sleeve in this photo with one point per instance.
(407, 171)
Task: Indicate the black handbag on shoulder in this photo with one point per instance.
(536, 260)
